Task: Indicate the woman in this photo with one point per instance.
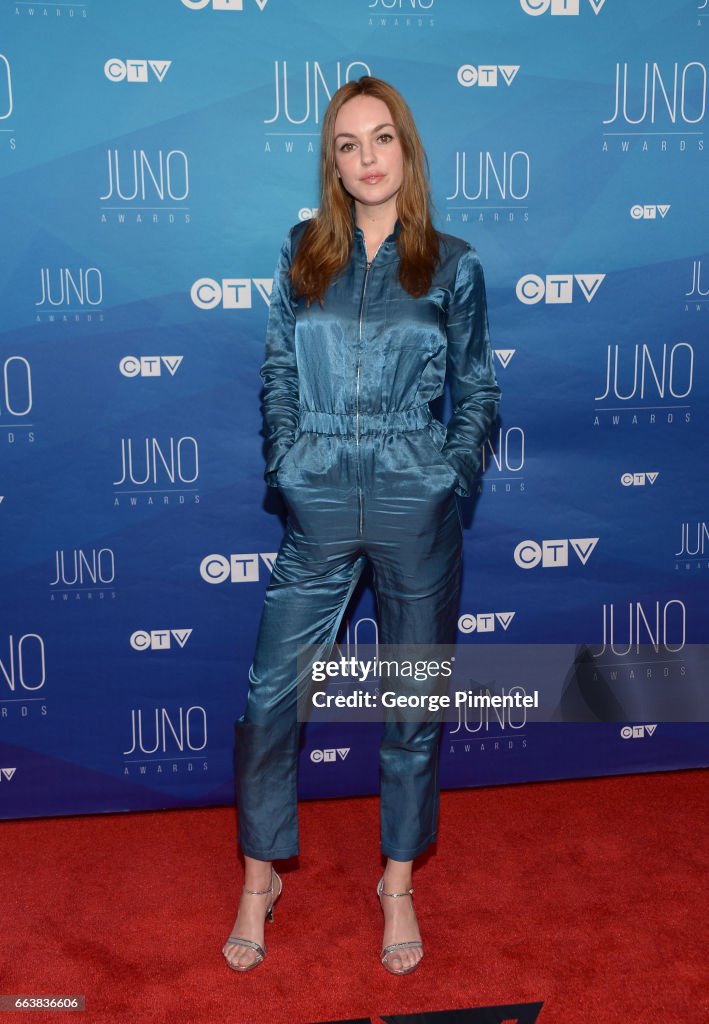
(371, 311)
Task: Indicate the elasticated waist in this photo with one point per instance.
(344, 423)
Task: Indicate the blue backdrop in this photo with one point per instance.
(153, 157)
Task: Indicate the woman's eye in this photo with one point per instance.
(344, 148)
(386, 137)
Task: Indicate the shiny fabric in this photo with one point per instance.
(366, 473)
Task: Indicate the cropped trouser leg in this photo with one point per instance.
(304, 604)
(417, 584)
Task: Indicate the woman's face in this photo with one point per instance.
(368, 153)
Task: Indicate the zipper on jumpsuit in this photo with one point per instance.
(359, 360)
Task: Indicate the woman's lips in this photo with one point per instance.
(372, 179)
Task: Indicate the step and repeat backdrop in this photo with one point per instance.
(153, 157)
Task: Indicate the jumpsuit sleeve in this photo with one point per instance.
(279, 371)
(469, 368)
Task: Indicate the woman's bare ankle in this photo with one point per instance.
(257, 874)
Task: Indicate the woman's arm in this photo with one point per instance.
(470, 370)
(279, 372)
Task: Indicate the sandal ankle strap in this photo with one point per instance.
(394, 895)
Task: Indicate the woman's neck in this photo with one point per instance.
(375, 228)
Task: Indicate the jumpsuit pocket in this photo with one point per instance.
(311, 459)
(288, 458)
(432, 442)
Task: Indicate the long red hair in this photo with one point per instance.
(326, 244)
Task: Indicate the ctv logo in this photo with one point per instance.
(235, 568)
(486, 74)
(484, 622)
(571, 7)
(117, 70)
(556, 288)
(553, 554)
(221, 5)
(6, 774)
(638, 479)
(321, 756)
(158, 639)
(230, 292)
(649, 211)
(149, 366)
(307, 212)
(637, 732)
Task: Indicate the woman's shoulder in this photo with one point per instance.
(295, 234)
(452, 250)
(453, 247)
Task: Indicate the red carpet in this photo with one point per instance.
(587, 896)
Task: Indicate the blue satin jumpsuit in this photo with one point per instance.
(366, 473)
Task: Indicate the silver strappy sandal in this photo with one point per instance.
(236, 940)
(395, 946)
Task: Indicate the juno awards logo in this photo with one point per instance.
(16, 399)
(651, 100)
(151, 183)
(83, 574)
(6, 104)
(694, 545)
(504, 456)
(501, 178)
(23, 664)
(657, 377)
(69, 291)
(16, 393)
(156, 470)
(166, 740)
